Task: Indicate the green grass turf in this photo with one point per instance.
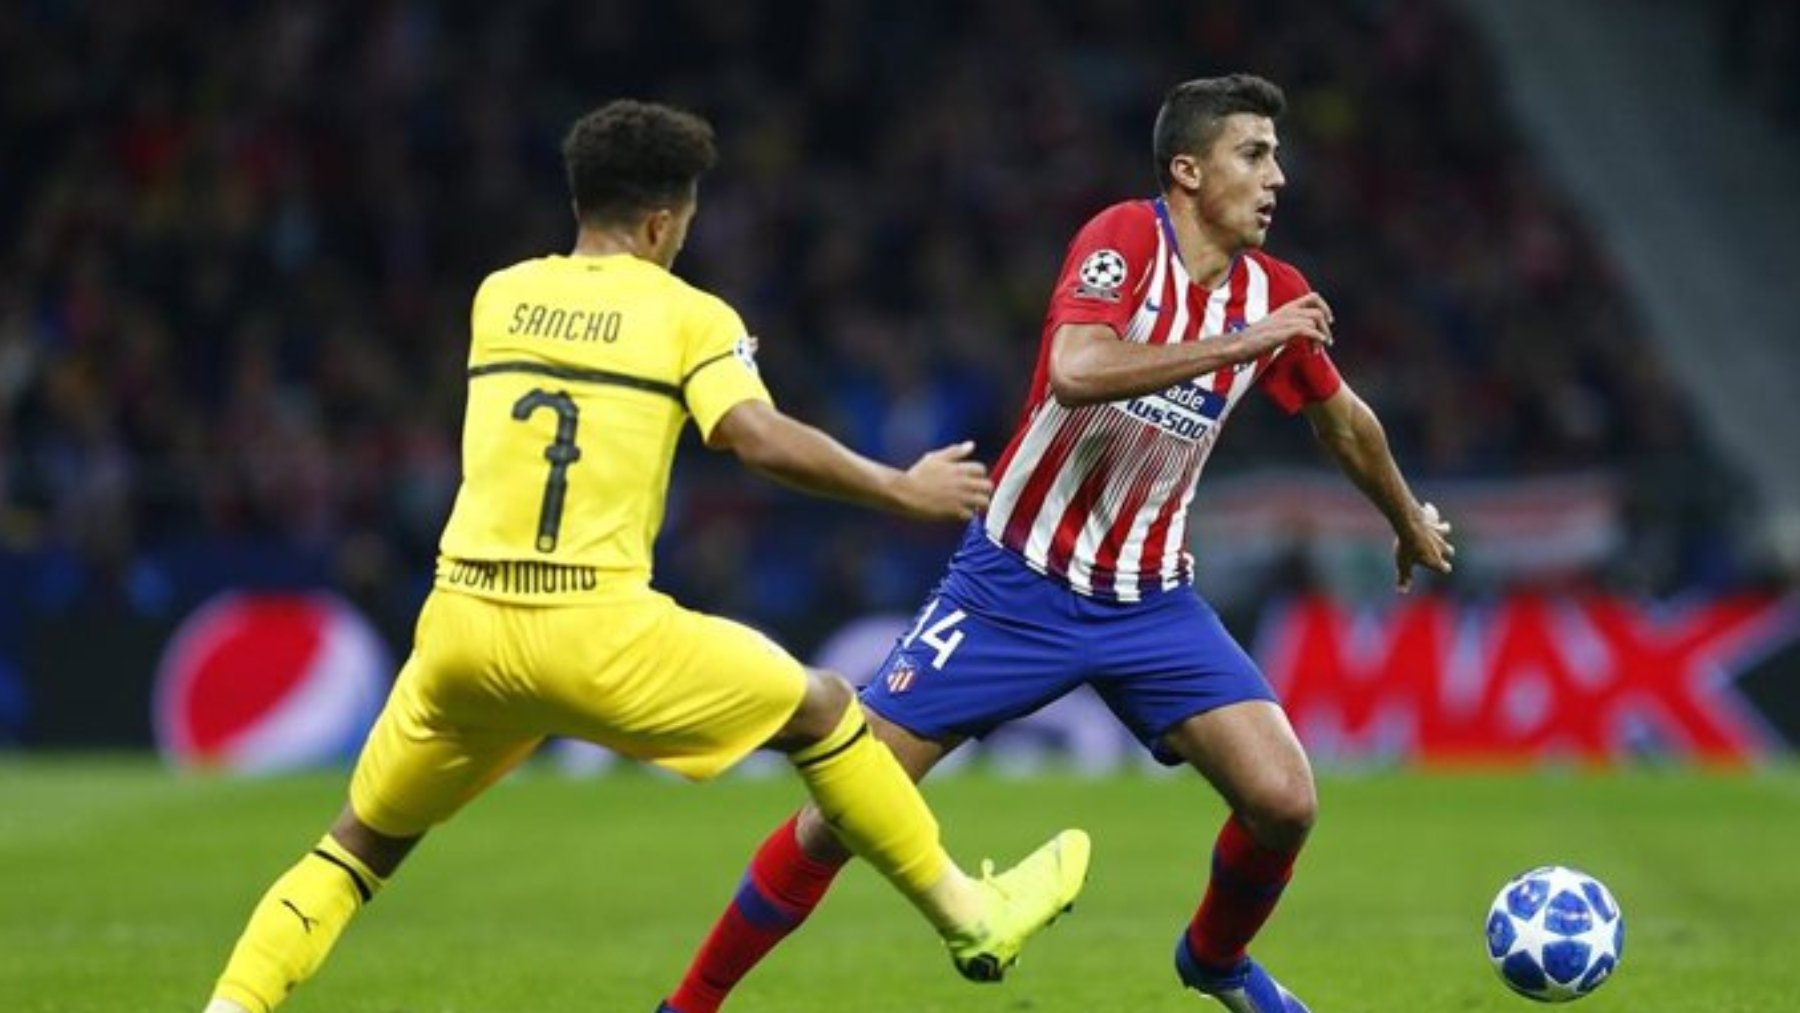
(122, 888)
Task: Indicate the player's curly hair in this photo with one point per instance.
(1194, 112)
(627, 158)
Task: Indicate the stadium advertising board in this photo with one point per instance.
(259, 682)
(1588, 679)
(263, 682)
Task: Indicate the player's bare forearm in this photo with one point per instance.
(1090, 365)
(815, 463)
(1351, 433)
(804, 457)
(941, 485)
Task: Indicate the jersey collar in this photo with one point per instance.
(1168, 227)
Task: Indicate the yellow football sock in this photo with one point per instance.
(295, 925)
(877, 812)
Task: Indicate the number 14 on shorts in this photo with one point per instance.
(940, 635)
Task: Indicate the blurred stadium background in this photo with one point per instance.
(240, 240)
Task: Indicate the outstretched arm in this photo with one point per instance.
(1090, 365)
(944, 484)
(1353, 435)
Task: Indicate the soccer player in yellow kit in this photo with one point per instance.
(582, 371)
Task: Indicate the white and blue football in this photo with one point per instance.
(1555, 934)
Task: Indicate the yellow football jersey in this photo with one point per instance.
(582, 371)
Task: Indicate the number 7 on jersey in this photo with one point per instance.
(561, 453)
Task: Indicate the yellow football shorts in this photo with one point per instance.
(487, 681)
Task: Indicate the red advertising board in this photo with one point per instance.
(261, 682)
(1589, 679)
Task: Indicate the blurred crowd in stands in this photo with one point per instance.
(1759, 54)
(241, 241)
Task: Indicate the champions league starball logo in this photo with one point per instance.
(745, 350)
(267, 682)
(1101, 275)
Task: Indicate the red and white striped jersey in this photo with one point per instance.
(1098, 496)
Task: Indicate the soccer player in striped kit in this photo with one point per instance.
(1166, 313)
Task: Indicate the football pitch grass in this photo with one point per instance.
(122, 888)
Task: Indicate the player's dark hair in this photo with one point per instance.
(1194, 112)
(628, 158)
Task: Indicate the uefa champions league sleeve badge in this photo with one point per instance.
(1101, 276)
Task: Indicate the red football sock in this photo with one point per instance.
(1247, 880)
(781, 887)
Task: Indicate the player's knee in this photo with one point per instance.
(1281, 812)
(827, 697)
(380, 852)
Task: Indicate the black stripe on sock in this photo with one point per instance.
(816, 760)
(355, 877)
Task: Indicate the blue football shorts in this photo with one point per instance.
(997, 640)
